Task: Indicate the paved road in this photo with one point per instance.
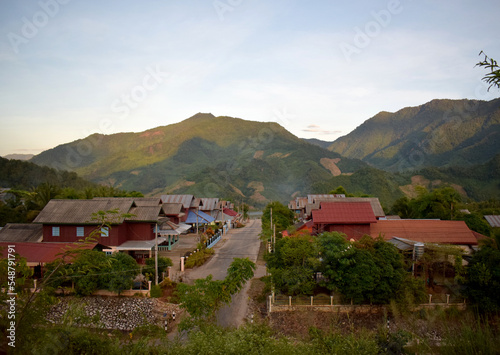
(238, 243)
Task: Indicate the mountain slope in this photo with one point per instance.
(439, 133)
(206, 155)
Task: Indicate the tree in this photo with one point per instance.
(483, 279)
(121, 273)
(493, 77)
(163, 264)
(282, 218)
(365, 271)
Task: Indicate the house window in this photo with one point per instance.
(56, 232)
(105, 232)
(80, 231)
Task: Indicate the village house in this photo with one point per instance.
(135, 224)
(358, 217)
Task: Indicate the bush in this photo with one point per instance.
(156, 291)
(198, 258)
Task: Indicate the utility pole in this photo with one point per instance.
(272, 227)
(156, 254)
(274, 237)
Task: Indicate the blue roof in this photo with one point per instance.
(202, 218)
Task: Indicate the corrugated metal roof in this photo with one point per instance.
(425, 231)
(493, 220)
(198, 217)
(80, 211)
(140, 244)
(172, 209)
(209, 204)
(145, 213)
(147, 201)
(21, 232)
(184, 199)
(344, 213)
(378, 211)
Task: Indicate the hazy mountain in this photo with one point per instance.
(204, 155)
(19, 156)
(318, 142)
(439, 133)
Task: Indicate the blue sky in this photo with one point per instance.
(69, 68)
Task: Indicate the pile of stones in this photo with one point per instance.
(122, 313)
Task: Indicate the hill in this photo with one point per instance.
(478, 182)
(440, 133)
(25, 175)
(19, 156)
(204, 155)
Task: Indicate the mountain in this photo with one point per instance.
(440, 133)
(204, 155)
(25, 175)
(479, 182)
(19, 156)
(318, 142)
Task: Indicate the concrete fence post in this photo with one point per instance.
(149, 285)
(270, 301)
(430, 298)
(447, 299)
(182, 264)
(331, 300)
(312, 300)
(290, 301)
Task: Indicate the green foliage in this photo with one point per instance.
(203, 299)
(471, 339)
(282, 218)
(493, 77)
(156, 291)
(199, 258)
(366, 271)
(163, 264)
(476, 222)
(483, 279)
(121, 273)
(337, 343)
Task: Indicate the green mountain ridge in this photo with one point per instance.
(439, 133)
(206, 155)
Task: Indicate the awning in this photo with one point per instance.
(199, 217)
(172, 229)
(140, 244)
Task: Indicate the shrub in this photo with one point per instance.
(155, 291)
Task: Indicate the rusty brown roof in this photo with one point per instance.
(425, 231)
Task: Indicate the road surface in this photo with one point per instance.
(238, 243)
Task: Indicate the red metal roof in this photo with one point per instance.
(41, 252)
(344, 213)
(425, 231)
(230, 212)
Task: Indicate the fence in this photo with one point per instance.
(325, 303)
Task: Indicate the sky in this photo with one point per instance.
(70, 68)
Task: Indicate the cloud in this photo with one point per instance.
(317, 129)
